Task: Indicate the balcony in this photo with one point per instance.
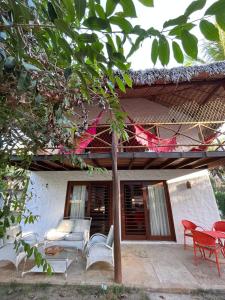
(183, 145)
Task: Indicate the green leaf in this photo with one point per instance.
(122, 23)
(216, 8)
(136, 45)
(177, 21)
(110, 6)
(209, 31)
(88, 38)
(128, 8)
(178, 29)
(49, 270)
(190, 44)
(116, 56)
(66, 48)
(220, 19)
(149, 3)
(30, 67)
(24, 81)
(95, 23)
(177, 52)
(64, 27)
(120, 84)
(69, 9)
(100, 11)
(9, 64)
(80, 7)
(164, 51)
(194, 6)
(51, 12)
(155, 51)
(127, 79)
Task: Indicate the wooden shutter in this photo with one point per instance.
(133, 211)
(100, 207)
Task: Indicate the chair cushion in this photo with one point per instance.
(55, 235)
(65, 226)
(74, 236)
(109, 240)
(81, 225)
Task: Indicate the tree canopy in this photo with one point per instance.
(56, 56)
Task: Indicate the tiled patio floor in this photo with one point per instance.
(163, 267)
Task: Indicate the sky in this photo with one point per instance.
(163, 10)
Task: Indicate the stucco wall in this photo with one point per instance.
(197, 204)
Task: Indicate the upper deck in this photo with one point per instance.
(175, 119)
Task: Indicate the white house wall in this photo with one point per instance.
(198, 204)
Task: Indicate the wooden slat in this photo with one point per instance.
(167, 163)
(133, 210)
(149, 163)
(99, 198)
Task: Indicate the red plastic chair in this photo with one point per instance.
(188, 228)
(205, 242)
(219, 226)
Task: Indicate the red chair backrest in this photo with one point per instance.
(203, 239)
(188, 225)
(219, 226)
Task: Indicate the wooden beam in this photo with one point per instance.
(210, 94)
(96, 163)
(149, 163)
(54, 165)
(116, 211)
(131, 164)
(184, 163)
(41, 165)
(202, 162)
(167, 163)
(217, 163)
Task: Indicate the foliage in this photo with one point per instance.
(57, 58)
(211, 50)
(220, 199)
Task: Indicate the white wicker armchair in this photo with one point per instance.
(100, 249)
(9, 253)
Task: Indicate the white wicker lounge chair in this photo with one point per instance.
(100, 249)
(9, 253)
(71, 233)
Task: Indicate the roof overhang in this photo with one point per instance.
(179, 85)
(130, 160)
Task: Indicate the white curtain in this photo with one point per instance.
(78, 201)
(159, 221)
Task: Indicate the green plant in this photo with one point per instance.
(220, 199)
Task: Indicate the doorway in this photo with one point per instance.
(146, 211)
(90, 199)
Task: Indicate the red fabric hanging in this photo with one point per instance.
(85, 139)
(154, 143)
(208, 140)
(151, 141)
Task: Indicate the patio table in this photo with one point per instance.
(60, 262)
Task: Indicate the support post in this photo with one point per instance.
(116, 212)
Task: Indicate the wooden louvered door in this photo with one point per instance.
(146, 211)
(100, 206)
(134, 212)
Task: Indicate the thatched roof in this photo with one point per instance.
(178, 74)
(169, 87)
